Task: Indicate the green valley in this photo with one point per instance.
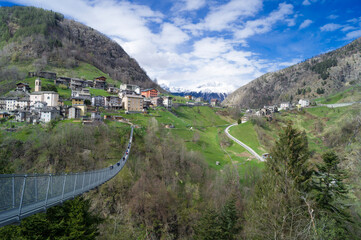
(92, 148)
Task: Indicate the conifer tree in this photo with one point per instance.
(329, 192)
(277, 210)
(289, 158)
(229, 219)
(69, 221)
(209, 226)
(329, 184)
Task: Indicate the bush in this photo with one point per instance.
(320, 91)
(49, 87)
(322, 67)
(259, 121)
(62, 86)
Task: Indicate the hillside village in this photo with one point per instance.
(42, 106)
(268, 111)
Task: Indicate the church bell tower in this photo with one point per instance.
(37, 85)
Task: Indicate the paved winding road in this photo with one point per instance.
(250, 150)
(336, 105)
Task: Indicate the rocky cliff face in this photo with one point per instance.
(312, 78)
(50, 40)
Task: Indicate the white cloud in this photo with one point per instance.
(171, 36)
(352, 35)
(291, 22)
(222, 17)
(354, 20)
(305, 23)
(330, 27)
(209, 48)
(190, 5)
(332, 16)
(264, 25)
(309, 2)
(123, 19)
(306, 2)
(290, 63)
(347, 28)
(180, 52)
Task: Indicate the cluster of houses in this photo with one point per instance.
(38, 106)
(199, 101)
(267, 111)
(44, 106)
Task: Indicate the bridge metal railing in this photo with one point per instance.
(24, 195)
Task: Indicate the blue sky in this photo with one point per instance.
(215, 45)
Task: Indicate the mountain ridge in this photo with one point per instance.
(37, 39)
(206, 94)
(312, 78)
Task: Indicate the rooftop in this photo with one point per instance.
(43, 92)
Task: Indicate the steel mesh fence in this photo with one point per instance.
(24, 195)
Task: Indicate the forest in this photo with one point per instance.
(168, 192)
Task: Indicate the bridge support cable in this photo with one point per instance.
(23, 195)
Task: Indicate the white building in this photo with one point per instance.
(304, 102)
(23, 103)
(38, 106)
(130, 87)
(15, 103)
(11, 103)
(48, 114)
(98, 101)
(285, 106)
(95, 116)
(113, 102)
(84, 93)
(74, 112)
(51, 98)
(22, 115)
(167, 102)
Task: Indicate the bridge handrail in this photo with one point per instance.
(25, 194)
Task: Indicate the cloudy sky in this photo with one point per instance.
(215, 44)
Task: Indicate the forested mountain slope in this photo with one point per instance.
(315, 77)
(34, 39)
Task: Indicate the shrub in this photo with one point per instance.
(62, 86)
(259, 121)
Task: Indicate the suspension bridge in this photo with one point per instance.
(23, 195)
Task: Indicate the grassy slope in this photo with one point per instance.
(205, 124)
(83, 70)
(246, 133)
(316, 122)
(99, 92)
(351, 94)
(203, 120)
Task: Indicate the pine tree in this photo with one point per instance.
(329, 191)
(72, 220)
(229, 219)
(277, 210)
(209, 226)
(289, 158)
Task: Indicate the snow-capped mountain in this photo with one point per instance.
(204, 91)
